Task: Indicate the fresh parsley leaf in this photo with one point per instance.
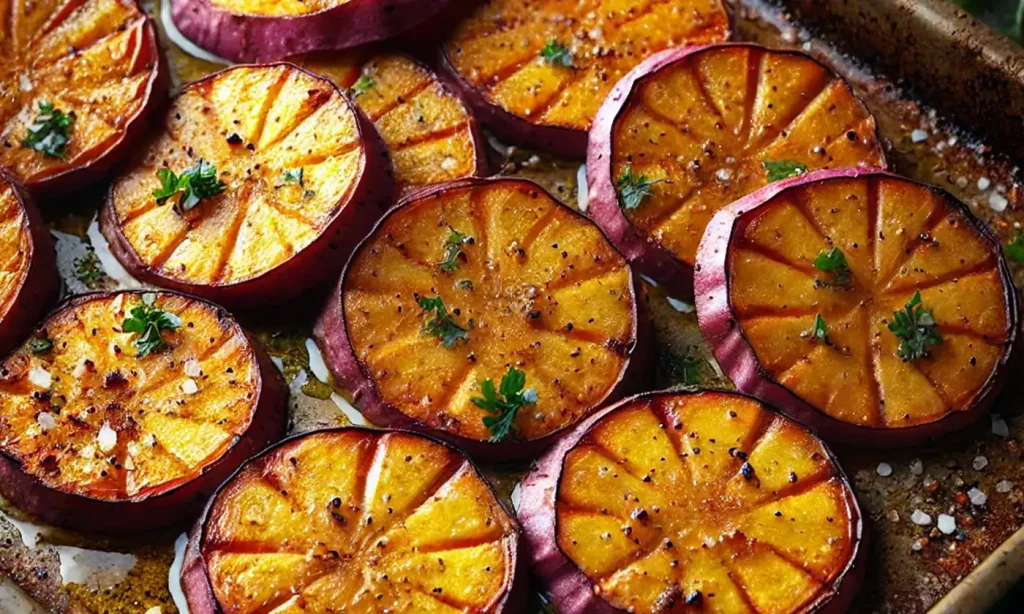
(633, 189)
(557, 54)
(147, 322)
(362, 85)
(818, 330)
(88, 269)
(441, 323)
(783, 169)
(833, 261)
(192, 186)
(504, 404)
(1015, 249)
(915, 328)
(50, 133)
(40, 345)
(452, 249)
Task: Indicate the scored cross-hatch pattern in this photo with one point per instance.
(497, 50)
(362, 521)
(253, 125)
(548, 296)
(898, 238)
(702, 126)
(93, 58)
(706, 493)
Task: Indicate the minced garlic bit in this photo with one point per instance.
(107, 438)
(189, 386)
(40, 378)
(192, 368)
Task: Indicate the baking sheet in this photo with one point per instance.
(911, 567)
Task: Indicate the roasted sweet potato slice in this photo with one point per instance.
(431, 135)
(28, 273)
(273, 177)
(124, 411)
(707, 500)
(483, 281)
(690, 131)
(537, 71)
(875, 309)
(76, 81)
(355, 520)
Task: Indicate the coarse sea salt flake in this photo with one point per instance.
(947, 524)
(980, 462)
(1004, 486)
(40, 378)
(997, 202)
(107, 438)
(977, 497)
(999, 427)
(884, 469)
(918, 136)
(920, 518)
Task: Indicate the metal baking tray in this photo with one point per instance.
(948, 94)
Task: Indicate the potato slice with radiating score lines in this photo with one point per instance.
(305, 176)
(429, 132)
(539, 70)
(708, 500)
(88, 426)
(94, 58)
(357, 521)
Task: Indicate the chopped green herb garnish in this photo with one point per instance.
(88, 269)
(292, 175)
(192, 186)
(363, 85)
(833, 261)
(915, 328)
(50, 133)
(441, 323)
(316, 389)
(453, 249)
(633, 189)
(1015, 249)
(557, 54)
(818, 330)
(40, 345)
(504, 407)
(783, 169)
(684, 369)
(147, 322)
(464, 284)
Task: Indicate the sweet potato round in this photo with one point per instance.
(96, 438)
(528, 96)
(253, 31)
(28, 277)
(429, 132)
(760, 293)
(266, 237)
(356, 520)
(706, 125)
(537, 288)
(97, 59)
(706, 499)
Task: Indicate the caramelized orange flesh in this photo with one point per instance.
(898, 238)
(278, 8)
(359, 521)
(705, 496)
(93, 58)
(426, 128)
(498, 50)
(15, 247)
(254, 125)
(539, 289)
(88, 417)
(704, 126)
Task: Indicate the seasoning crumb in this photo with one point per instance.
(999, 427)
(916, 466)
(884, 469)
(977, 497)
(920, 518)
(980, 462)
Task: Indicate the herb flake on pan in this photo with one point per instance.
(557, 54)
(292, 175)
(441, 324)
(783, 169)
(453, 249)
(915, 328)
(364, 84)
(40, 344)
(685, 369)
(50, 133)
(148, 322)
(1015, 248)
(88, 269)
(633, 189)
(191, 186)
(503, 404)
(818, 330)
(833, 262)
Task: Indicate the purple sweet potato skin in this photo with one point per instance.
(260, 38)
(170, 508)
(317, 263)
(332, 336)
(739, 361)
(41, 285)
(570, 589)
